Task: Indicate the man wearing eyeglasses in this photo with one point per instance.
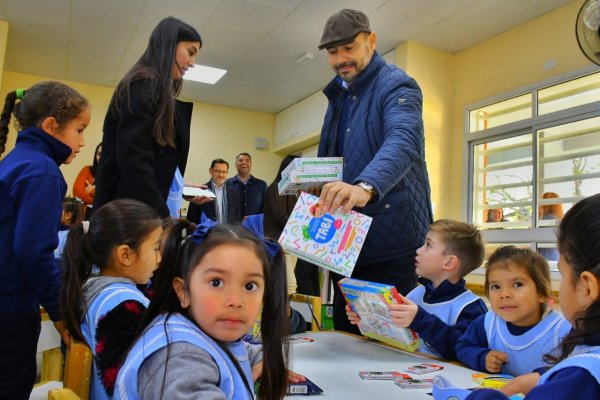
(225, 206)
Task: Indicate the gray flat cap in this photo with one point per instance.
(342, 27)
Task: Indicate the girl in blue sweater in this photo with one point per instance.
(51, 117)
(521, 328)
(576, 370)
(122, 238)
(209, 290)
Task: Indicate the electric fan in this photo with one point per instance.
(587, 29)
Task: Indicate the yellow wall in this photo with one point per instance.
(216, 132)
(503, 63)
(432, 69)
(506, 62)
(3, 41)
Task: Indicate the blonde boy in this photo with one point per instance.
(441, 308)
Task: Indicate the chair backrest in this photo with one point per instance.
(309, 307)
(78, 369)
(62, 394)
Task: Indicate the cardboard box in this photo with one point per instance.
(370, 300)
(303, 173)
(332, 241)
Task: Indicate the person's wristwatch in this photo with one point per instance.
(367, 188)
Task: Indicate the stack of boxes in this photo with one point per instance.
(307, 172)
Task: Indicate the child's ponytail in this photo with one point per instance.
(77, 268)
(9, 106)
(274, 331)
(123, 221)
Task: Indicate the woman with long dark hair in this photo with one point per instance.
(146, 130)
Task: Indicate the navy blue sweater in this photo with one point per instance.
(567, 384)
(32, 189)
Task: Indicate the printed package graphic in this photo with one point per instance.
(330, 240)
(307, 172)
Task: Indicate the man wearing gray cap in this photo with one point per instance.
(374, 120)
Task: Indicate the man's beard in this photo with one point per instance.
(348, 79)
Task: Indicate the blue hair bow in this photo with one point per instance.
(255, 224)
(202, 229)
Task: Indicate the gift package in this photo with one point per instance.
(330, 240)
(307, 172)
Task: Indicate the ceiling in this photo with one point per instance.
(257, 41)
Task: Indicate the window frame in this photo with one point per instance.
(534, 234)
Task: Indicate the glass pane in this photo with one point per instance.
(511, 110)
(550, 253)
(569, 94)
(491, 247)
(502, 183)
(568, 167)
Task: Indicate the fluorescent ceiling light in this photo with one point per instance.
(204, 74)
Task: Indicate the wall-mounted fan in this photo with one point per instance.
(587, 29)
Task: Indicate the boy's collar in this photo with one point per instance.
(446, 285)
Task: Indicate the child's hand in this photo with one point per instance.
(64, 333)
(294, 377)
(403, 314)
(352, 316)
(257, 371)
(521, 384)
(494, 361)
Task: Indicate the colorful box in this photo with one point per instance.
(332, 241)
(306, 172)
(382, 375)
(411, 383)
(370, 300)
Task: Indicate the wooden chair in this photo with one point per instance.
(309, 307)
(78, 369)
(62, 394)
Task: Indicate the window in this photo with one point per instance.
(532, 154)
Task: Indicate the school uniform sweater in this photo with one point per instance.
(113, 309)
(444, 315)
(193, 365)
(525, 346)
(575, 377)
(32, 189)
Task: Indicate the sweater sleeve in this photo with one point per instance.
(37, 210)
(79, 185)
(443, 337)
(188, 373)
(472, 347)
(255, 353)
(115, 333)
(135, 151)
(565, 384)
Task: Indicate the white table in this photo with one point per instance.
(334, 359)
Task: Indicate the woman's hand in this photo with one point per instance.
(88, 186)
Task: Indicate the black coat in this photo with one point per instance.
(133, 165)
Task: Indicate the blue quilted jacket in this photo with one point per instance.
(384, 146)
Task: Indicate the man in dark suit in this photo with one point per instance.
(225, 208)
(251, 189)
